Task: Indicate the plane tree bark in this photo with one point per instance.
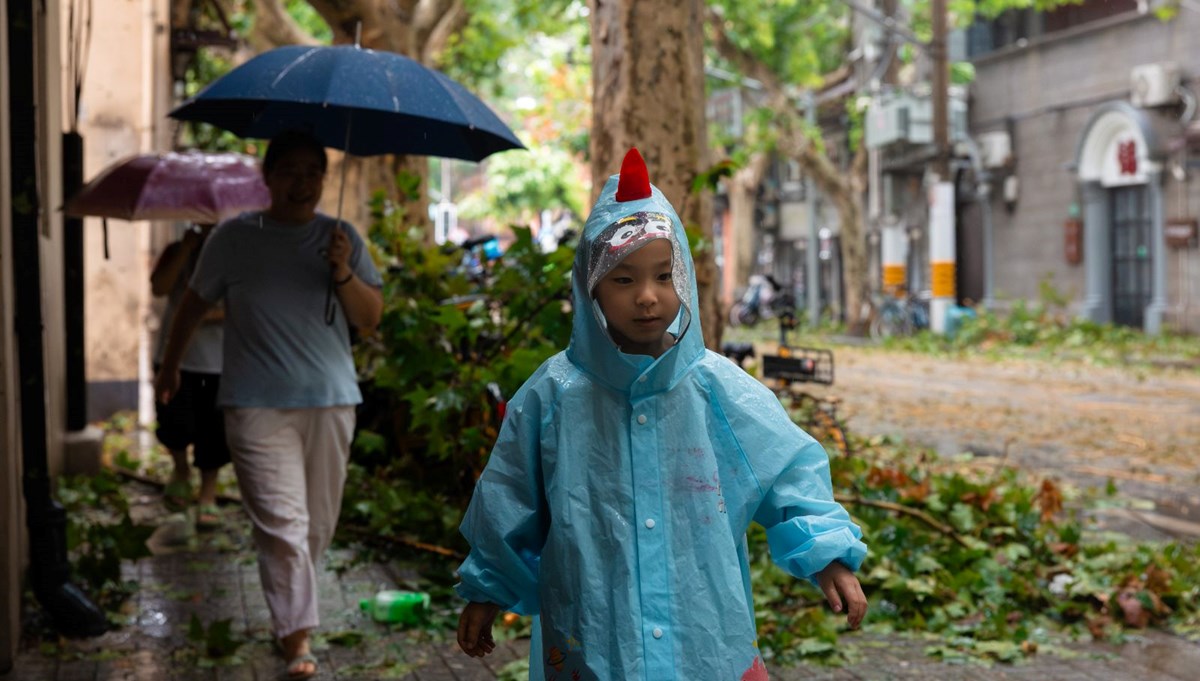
(648, 92)
(794, 139)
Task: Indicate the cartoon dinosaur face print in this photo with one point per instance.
(638, 227)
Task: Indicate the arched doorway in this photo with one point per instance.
(1119, 165)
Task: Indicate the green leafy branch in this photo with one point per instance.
(101, 534)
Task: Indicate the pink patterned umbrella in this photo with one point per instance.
(195, 186)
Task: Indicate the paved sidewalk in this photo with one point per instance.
(215, 577)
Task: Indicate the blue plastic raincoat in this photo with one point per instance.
(616, 501)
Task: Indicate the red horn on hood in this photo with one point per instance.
(635, 180)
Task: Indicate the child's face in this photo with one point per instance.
(639, 301)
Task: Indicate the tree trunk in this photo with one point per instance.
(368, 175)
(743, 195)
(648, 92)
(419, 31)
(845, 190)
(856, 278)
(273, 27)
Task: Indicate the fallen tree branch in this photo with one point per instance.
(906, 510)
(367, 536)
(160, 484)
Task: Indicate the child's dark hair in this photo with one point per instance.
(286, 142)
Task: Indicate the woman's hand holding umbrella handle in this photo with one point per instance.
(362, 303)
(338, 254)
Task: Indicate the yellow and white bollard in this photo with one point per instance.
(941, 254)
(894, 256)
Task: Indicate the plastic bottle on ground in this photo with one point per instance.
(396, 607)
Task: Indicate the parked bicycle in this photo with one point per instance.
(900, 315)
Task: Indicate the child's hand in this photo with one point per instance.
(475, 628)
(839, 584)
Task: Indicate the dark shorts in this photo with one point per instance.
(193, 418)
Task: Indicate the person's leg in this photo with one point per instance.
(298, 653)
(267, 451)
(182, 473)
(175, 429)
(326, 435)
(327, 451)
(206, 496)
(177, 493)
(211, 450)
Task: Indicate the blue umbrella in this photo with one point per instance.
(364, 102)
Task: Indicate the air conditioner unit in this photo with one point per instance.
(904, 117)
(1154, 84)
(888, 120)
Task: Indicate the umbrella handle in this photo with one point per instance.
(329, 304)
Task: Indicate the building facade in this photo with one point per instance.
(1088, 119)
(30, 178)
(111, 88)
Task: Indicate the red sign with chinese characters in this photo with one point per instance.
(1127, 157)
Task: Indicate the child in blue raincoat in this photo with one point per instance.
(617, 498)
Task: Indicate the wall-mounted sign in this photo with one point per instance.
(1180, 232)
(1123, 162)
(1073, 241)
(1127, 157)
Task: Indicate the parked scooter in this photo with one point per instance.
(765, 298)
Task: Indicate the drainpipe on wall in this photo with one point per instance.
(70, 609)
(1183, 262)
(983, 191)
(1157, 309)
(73, 285)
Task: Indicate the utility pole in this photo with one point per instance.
(941, 192)
(941, 91)
(812, 267)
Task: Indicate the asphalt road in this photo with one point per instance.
(1082, 425)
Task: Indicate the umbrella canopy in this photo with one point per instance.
(200, 187)
(364, 102)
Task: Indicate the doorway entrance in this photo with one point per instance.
(1132, 259)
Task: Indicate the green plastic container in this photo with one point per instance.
(396, 607)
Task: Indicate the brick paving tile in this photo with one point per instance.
(32, 668)
(262, 659)
(505, 652)
(76, 670)
(465, 668)
(243, 673)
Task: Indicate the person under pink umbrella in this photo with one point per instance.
(192, 418)
(203, 188)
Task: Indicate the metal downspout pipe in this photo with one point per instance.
(49, 571)
(983, 192)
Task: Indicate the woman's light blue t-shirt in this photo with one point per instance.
(279, 351)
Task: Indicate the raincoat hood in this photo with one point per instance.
(629, 214)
